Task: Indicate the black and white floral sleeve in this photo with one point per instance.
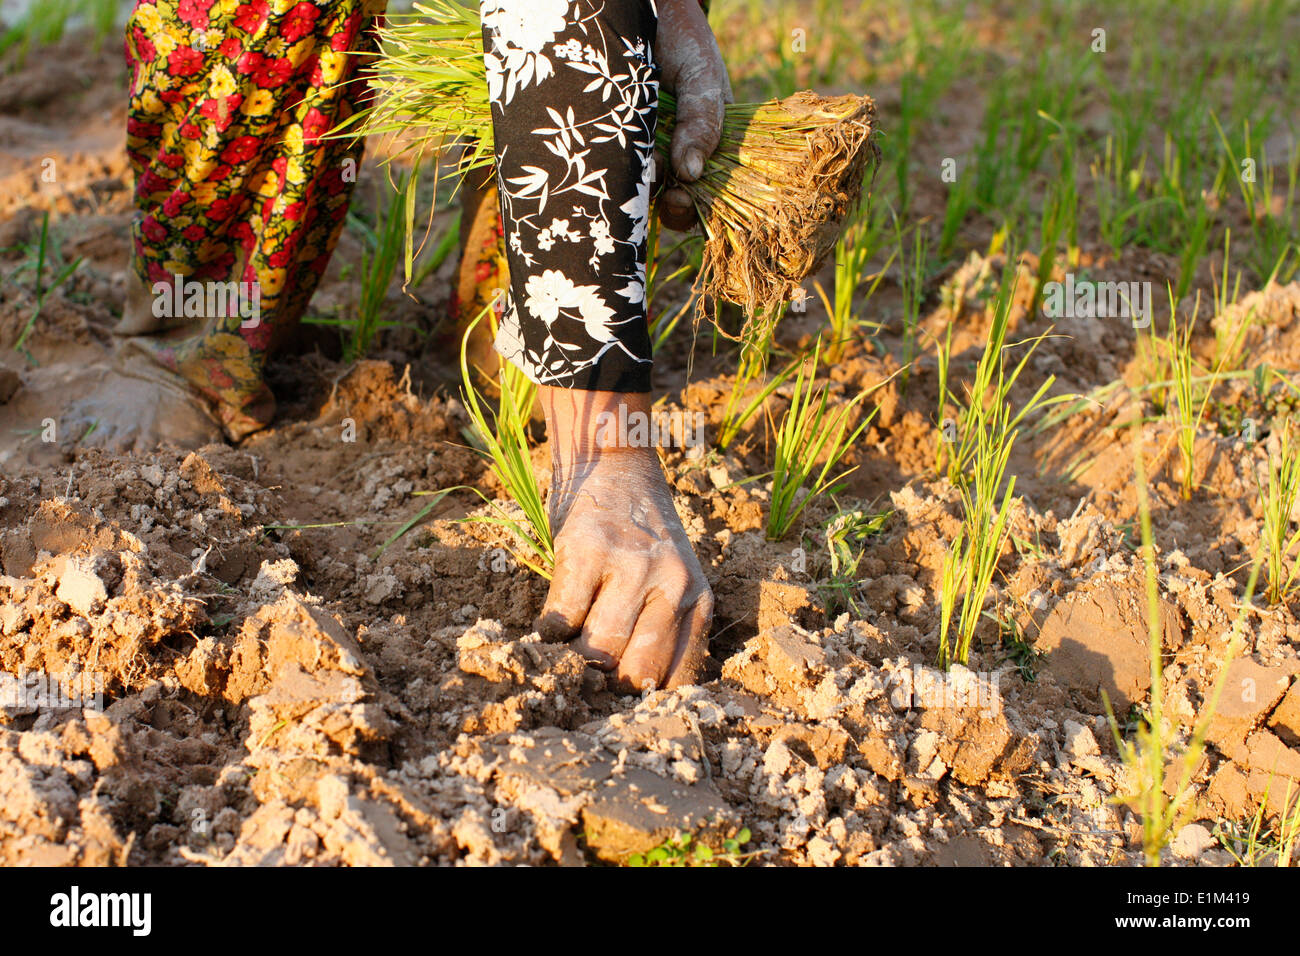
(575, 95)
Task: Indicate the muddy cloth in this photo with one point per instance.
(235, 182)
(575, 92)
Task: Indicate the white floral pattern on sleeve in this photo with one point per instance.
(575, 96)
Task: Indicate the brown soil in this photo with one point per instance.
(275, 691)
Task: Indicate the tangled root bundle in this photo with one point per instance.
(775, 196)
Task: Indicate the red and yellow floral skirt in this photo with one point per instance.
(235, 181)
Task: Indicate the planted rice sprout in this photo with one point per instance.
(378, 265)
(46, 252)
(811, 431)
(852, 254)
(1279, 489)
(991, 388)
(947, 427)
(987, 428)
(973, 558)
(752, 385)
(502, 438)
(1182, 368)
(1261, 841)
(380, 253)
(1189, 405)
(1160, 776)
(45, 23)
(772, 199)
(912, 285)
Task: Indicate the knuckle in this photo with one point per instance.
(675, 582)
(566, 550)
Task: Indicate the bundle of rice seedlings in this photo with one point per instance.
(773, 199)
(775, 195)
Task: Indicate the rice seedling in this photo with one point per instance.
(1259, 842)
(663, 324)
(1289, 224)
(1187, 210)
(989, 167)
(846, 534)
(502, 438)
(810, 431)
(45, 253)
(972, 558)
(911, 280)
(772, 198)
(986, 429)
(961, 198)
(1289, 830)
(991, 388)
(1160, 798)
(1241, 161)
(434, 500)
(1121, 210)
(46, 22)
(1189, 403)
(381, 251)
(852, 255)
(1182, 366)
(782, 78)
(42, 24)
(1152, 359)
(939, 49)
(26, 30)
(744, 400)
(1063, 205)
(1047, 91)
(947, 428)
(1286, 267)
(1222, 298)
(1272, 232)
(378, 264)
(1193, 249)
(1279, 491)
(1051, 225)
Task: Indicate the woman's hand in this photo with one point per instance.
(627, 583)
(691, 68)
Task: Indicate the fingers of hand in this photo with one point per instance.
(610, 624)
(649, 653)
(692, 646)
(698, 131)
(670, 638)
(676, 211)
(573, 588)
